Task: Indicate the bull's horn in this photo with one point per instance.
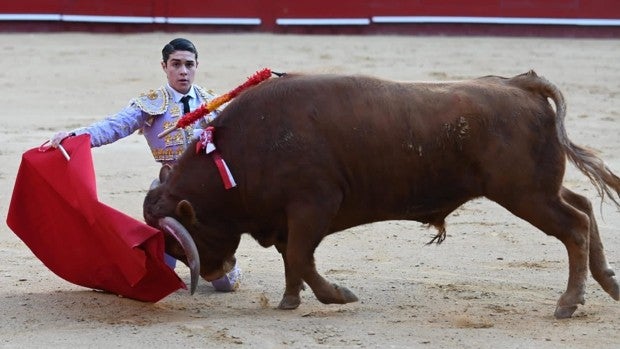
(177, 230)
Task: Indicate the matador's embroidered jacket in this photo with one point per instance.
(151, 113)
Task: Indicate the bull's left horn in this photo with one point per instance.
(177, 230)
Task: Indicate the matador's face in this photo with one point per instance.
(180, 70)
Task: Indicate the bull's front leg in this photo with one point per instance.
(294, 284)
(326, 292)
(307, 227)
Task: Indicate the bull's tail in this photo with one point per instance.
(584, 159)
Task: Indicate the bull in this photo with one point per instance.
(316, 154)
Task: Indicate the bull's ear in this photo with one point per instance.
(164, 172)
(186, 212)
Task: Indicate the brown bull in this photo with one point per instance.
(317, 154)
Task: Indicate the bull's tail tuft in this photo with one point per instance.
(596, 170)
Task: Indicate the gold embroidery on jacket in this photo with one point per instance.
(167, 154)
(153, 102)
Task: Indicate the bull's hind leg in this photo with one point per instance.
(599, 267)
(555, 217)
(307, 226)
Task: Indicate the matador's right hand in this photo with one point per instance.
(59, 137)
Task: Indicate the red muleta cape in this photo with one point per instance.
(55, 211)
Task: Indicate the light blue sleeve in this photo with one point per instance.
(115, 127)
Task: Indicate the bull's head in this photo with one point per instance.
(205, 249)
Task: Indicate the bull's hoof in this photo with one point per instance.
(289, 302)
(568, 302)
(615, 294)
(611, 287)
(346, 294)
(564, 312)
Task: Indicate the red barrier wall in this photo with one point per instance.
(398, 16)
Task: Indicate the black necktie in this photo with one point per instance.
(185, 101)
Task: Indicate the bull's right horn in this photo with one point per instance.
(177, 230)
